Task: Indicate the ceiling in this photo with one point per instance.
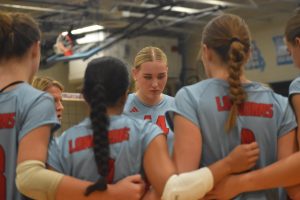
(130, 18)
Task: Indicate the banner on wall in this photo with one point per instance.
(256, 60)
(282, 55)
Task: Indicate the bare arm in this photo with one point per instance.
(282, 173)
(295, 99)
(34, 146)
(187, 145)
(158, 164)
(294, 191)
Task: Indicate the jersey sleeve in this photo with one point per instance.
(57, 155)
(54, 155)
(40, 113)
(186, 106)
(288, 121)
(150, 131)
(294, 87)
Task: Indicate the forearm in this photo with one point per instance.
(72, 188)
(220, 169)
(293, 192)
(283, 173)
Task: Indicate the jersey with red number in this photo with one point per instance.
(21, 110)
(156, 114)
(72, 152)
(264, 117)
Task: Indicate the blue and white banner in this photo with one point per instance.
(282, 55)
(256, 60)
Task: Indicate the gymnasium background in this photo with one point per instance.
(270, 63)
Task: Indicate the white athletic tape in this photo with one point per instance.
(36, 182)
(189, 186)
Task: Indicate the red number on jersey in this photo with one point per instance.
(161, 122)
(247, 136)
(111, 172)
(2, 177)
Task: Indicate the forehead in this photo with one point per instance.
(153, 67)
(55, 91)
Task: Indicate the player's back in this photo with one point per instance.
(19, 114)
(264, 117)
(72, 152)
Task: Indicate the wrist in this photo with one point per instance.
(227, 165)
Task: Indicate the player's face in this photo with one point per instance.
(294, 51)
(56, 93)
(151, 79)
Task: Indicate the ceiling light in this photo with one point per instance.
(84, 30)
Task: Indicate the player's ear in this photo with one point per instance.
(134, 72)
(297, 41)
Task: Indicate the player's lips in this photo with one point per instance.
(155, 91)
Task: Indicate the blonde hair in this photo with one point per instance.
(43, 83)
(228, 35)
(149, 54)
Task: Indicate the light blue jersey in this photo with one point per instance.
(156, 114)
(22, 109)
(264, 117)
(72, 152)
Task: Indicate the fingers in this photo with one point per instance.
(137, 178)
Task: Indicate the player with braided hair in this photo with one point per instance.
(227, 109)
(28, 120)
(109, 146)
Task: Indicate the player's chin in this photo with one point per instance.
(59, 117)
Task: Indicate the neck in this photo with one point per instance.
(149, 101)
(11, 71)
(116, 110)
(220, 72)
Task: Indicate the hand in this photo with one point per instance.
(131, 188)
(243, 157)
(226, 189)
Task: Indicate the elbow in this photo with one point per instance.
(36, 182)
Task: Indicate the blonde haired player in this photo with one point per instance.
(150, 75)
(53, 87)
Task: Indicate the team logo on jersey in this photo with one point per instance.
(134, 109)
(7, 120)
(85, 142)
(247, 108)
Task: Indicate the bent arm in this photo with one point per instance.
(34, 147)
(295, 99)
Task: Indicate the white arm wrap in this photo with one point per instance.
(36, 182)
(189, 186)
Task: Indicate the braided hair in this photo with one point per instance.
(229, 36)
(106, 80)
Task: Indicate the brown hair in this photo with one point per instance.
(292, 28)
(18, 32)
(43, 83)
(228, 35)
